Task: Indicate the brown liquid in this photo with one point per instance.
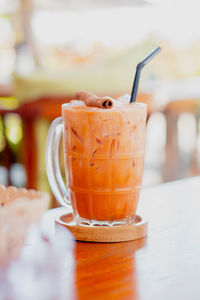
(104, 154)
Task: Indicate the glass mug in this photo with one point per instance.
(104, 162)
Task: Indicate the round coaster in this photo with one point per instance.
(103, 234)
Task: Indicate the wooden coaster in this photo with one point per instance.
(103, 234)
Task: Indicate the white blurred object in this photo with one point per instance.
(19, 208)
(24, 64)
(18, 175)
(188, 88)
(187, 133)
(8, 6)
(44, 269)
(3, 175)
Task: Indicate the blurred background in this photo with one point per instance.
(49, 49)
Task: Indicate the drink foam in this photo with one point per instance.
(121, 102)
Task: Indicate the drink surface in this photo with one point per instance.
(104, 157)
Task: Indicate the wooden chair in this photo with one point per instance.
(174, 165)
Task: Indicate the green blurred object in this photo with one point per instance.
(13, 130)
(8, 102)
(2, 137)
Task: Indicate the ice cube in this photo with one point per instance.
(124, 99)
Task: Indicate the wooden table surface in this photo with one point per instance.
(165, 265)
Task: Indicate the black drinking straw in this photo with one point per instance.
(137, 74)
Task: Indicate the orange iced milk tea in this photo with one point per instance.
(104, 157)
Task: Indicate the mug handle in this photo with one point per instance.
(52, 163)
